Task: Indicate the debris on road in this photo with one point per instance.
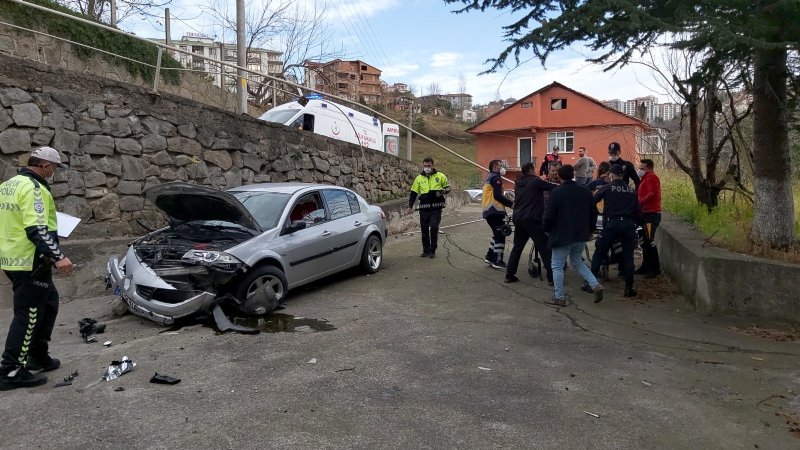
(67, 381)
(485, 368)
(646, 383)
(224, 324)
(164, 379)
(119, 368)
(88, 327)
(107, 344)
(592, 414)
(119, 389)
(312, 361)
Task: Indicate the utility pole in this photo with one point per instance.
(241, 58)
(410, 123)
(166, 26)
(114, 13)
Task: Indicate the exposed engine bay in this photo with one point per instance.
(191, 258)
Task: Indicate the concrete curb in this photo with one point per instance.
(715, 280)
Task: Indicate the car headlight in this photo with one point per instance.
(211, 258)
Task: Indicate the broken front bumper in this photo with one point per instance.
(149, 296)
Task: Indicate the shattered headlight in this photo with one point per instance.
(219, 260)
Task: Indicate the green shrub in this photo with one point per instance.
(95, 37)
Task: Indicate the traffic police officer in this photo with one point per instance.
(28, 249)
(430, 186)
(621, 212)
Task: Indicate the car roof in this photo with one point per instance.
(283, 188)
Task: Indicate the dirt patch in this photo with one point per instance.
(789, 335)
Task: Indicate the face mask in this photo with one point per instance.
(613, 157)
(502, 171)
(640, 172)
(427, 170)
(49, 178)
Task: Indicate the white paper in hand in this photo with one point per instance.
(66, 224)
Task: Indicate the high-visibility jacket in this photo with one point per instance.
(494, 202)
(430, 189)
(27, 222)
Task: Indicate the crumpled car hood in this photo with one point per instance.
(184, 202)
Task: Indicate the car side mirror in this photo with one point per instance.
(295, 226)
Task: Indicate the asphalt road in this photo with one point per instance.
(425, 354)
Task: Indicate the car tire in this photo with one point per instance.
(258, 278)
(372, 255)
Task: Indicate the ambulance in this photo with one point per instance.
(314, 113)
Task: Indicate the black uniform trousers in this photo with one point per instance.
(524, 230)
(622, 230)
(35, 311)
(650, 262)
(429, 220)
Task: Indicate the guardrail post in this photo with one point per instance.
(157, 78)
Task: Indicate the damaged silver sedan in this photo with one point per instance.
(247, 246)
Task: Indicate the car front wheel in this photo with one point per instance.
(261, 290)
(372, 257)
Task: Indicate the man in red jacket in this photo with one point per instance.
(649, 193)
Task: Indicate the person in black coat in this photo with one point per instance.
(528, 210)
(628, 171)
(570, 217)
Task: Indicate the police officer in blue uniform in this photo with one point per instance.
(621, 212)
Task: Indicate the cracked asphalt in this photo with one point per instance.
(428, 353)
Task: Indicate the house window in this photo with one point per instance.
(563, 139)
(525, 105)
(524, 145)
(558, 104)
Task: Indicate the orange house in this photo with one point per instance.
(555, 115)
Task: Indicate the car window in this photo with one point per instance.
(355, 207)
(308, 208)
(338, 203)
(266, 207)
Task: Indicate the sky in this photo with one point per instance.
(422, 42)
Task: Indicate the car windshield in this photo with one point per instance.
(266, 207)
(279, 116)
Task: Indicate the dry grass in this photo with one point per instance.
(788, 335)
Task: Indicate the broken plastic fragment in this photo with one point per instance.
(224, 324)
(107, 343)
(485, 368)
(164, 379)
(119, 368)
(312, 361)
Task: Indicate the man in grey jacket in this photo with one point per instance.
(584, 167)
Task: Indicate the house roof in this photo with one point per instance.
(550, 86)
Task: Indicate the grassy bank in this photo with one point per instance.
(729, 224)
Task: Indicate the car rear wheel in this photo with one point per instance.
(372, 256)
(254, 291)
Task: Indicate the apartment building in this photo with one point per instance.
(260, 60)
(353, 80)
(646, 108)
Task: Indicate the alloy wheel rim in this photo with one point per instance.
(375, 255)
(260, 282)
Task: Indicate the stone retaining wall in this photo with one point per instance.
(121, 139)
(719, 281)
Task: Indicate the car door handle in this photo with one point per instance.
(358, 223)
(326, 233)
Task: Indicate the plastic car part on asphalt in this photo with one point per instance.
(164, 379)
(119, 368)
(224, 324)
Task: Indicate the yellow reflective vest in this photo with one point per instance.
(24, 202)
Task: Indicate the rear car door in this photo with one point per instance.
(348, 223)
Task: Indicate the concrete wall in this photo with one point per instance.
(121, 139)
(719, 281)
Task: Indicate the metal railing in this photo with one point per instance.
(161, 47)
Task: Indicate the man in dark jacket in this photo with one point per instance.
(550, 160)
(570, 217)
(528, 210)
(628, 171)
